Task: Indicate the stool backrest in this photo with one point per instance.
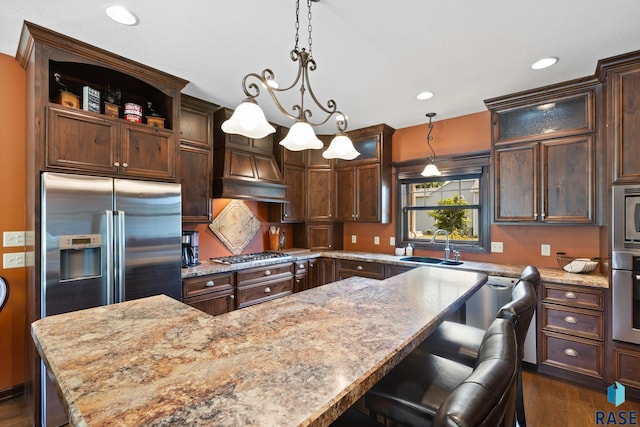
(487, 396)
(522, 305)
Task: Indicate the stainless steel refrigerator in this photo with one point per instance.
(104, 241)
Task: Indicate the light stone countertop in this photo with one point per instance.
(300, 360)
(549, 275)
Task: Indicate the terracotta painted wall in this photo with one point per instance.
(12, 218)
(521, 243)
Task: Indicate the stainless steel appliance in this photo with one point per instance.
(625, 263)
(483, 306)
(190, 251)
(105, 241)
(258, 256)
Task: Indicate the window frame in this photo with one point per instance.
(454, 167)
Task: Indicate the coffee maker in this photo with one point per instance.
(190, 249)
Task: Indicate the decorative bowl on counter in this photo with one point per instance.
(577, 265)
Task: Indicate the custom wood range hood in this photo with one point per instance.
(245, 168)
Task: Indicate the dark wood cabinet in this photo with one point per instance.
(213, 294)
(572, 333)
(260, 284)
(321, 271)
(393, 270)
(349, 268)
(318, 236)
(551, 181)
(363, 185)
(545, 155)
(621, 75)
(301, 278)
(196, 159)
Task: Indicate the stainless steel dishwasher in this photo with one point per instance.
(483, 306)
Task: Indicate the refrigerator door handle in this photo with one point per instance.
(119, 236)
(108, 243)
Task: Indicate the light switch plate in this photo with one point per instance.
(376, 240)
(13, 260)
(354, 239)
(13, 239)
(545, 249)
(497, 247)
(392, 241)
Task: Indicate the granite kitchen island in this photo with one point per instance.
(297, 361)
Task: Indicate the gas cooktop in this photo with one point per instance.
(258, 256)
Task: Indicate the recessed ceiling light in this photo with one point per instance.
(425, 95)
(121, 15)
(544, 63)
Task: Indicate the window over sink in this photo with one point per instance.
(457, 202)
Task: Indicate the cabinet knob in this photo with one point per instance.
(570, 295)
(359, 268)
(297, 280)
(300, 266)
(210, 284)
(571, 319)
(535, 216)
(542, 217)
(267, 273)
(232, 296)
(571, 352)
(311, 265)
(267, 290)
(116, 164)
(125, 164)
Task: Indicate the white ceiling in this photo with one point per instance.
(373, 56)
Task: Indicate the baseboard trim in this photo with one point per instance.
(11, 392)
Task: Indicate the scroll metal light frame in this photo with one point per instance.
(431, 169)
(341, 146)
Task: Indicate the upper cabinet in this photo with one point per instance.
(196, 159)
(92, 112)
(544, 154)
(363, 185)
(621, 75)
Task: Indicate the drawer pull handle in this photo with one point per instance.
(570, 319)
(571, 352)
(267, 290)
(359, 268)
(210, 284)
(267, 273)
(570, 295)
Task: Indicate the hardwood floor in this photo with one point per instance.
(548, 402)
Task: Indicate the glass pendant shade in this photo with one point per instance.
(430, 170)
(248, 120)
(341, 147)
(301, 137)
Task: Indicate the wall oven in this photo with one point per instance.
(625, 263)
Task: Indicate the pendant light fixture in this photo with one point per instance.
(431, 169)
(249, 119)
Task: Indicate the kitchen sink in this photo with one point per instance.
(429, 260)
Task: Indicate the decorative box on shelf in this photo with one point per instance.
(68, 99)
(111, 110)
(90, 99)
(155, 122)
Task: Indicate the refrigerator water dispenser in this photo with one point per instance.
(80, 257)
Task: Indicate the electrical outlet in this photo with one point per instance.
(13, 238)
(354, 239)
(392, 241)
(497, 247)
(545, 249)
(13, 260)
(376, 240)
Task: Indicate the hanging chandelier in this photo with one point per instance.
(431, 169)
(249, 120)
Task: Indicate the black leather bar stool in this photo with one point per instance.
(425, 389)
(354, 418)
(459, 342)
(4, 292)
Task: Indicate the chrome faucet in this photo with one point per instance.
(447, 248)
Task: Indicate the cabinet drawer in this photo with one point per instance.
(574, 354)
(626, 367)
(569, 295)
(584, 323)
(260, 274)
(265, 291)
(205, 284)
(213, 303)
(300, 267)
(364, 268)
